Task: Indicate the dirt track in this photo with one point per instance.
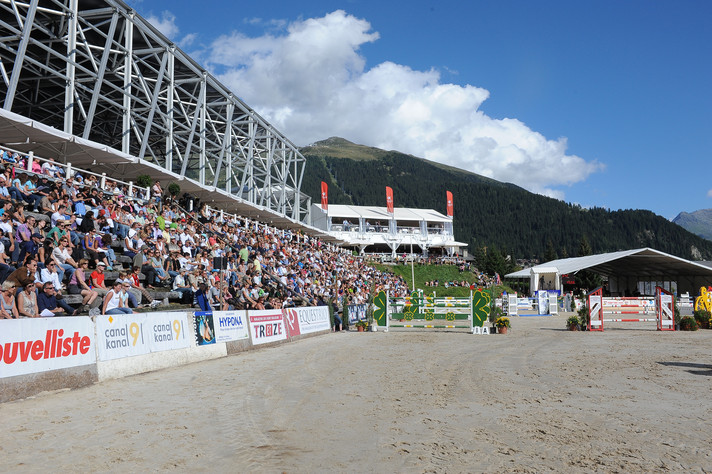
(536, 399)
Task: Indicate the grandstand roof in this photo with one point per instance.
(377, 213)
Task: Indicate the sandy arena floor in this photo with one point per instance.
(537, 399)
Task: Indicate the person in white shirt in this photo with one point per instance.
(50, 275)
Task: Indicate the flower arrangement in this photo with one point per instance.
(572, 324)
(688, 323)
(502, 322)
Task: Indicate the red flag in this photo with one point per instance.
(324, 196)
(389, 199)
(449, 204)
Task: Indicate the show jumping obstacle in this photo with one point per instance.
(662, 306)
(431, 312)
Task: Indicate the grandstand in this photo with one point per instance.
(94, 96)
(92, 84)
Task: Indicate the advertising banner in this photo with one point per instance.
(267, 326)
(307, 320)
(204, 328)
(324, 196)
(121, 335)
(167, 331)
(389, 199)
(449, 204)
(228, 325)
(38, 345)
(357, 312)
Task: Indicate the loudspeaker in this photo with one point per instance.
(220, 263)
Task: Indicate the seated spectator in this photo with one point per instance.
(27, 302)
(47, 300)
(97, 279)
(114, 302)
(25, 275)
(78, 284)
(5, 267)
(8, 308)
(135, 282)
(183, 287)
(63, 257)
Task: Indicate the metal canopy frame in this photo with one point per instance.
(97, 70)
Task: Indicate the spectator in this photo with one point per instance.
(63, 257)
(97, 279)
(25, 275)
(27, 302)
(114, 302)
(78, 284)
(8, 308)
(47, 300)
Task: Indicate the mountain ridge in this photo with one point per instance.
(698, 222)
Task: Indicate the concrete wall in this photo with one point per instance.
(26, 385)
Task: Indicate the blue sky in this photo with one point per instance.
(605, 103)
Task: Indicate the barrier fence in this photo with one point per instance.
(661, 307)
(66, 352)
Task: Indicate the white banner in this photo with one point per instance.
(167, 331)
(307, 320)
(267, 326)
(38, 345)
(230, 325)
(122, 335)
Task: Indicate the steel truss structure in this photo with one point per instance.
(97, 70)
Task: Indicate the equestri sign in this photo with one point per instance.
(307, 320)
(122, 335)
(38, 345)
(267, 326)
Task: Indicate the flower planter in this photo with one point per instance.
(573, 327)
(360, 329)
(502, 330)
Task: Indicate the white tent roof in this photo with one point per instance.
(645, 262)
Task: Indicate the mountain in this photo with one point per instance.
(698, 222)
(488, 213)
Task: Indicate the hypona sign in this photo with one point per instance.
(480, 330)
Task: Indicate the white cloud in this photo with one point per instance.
(311, 82)
(166, 24)
(709, 193)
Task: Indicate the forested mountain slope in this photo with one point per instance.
(488, 213)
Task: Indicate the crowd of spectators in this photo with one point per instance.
(61, 235)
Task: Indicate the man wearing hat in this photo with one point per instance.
(97, 279)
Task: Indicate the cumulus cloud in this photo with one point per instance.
(709, 193)
(166, 24)
(310, 80)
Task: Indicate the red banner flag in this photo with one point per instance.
(324, 196)
(389, 199)
(449, 204)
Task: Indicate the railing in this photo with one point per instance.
(25, 164)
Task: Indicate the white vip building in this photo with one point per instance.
(374, 229)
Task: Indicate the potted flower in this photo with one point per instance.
(361, 326)
(688, 323)
(502, 324)
(572, 324)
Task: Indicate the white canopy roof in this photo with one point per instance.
(645, 262)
